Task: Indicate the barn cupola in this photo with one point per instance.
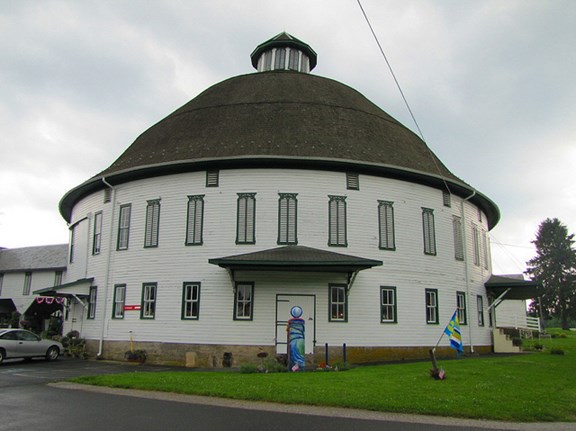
(284, 52)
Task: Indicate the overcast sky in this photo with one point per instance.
(491, 84)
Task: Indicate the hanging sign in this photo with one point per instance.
(132, 307)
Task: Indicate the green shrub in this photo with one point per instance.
(248, 369)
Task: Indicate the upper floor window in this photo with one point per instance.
(476, 244)
(388, 304)
(428, 231)
(212, 178)
(195, 220)
(152, 223)
(431, 306)
(119, 301)
(485, 254)
(57, 278)
(338, 303)
(190, 301)
(287, 218)
(246, 218)
(352, 181)
(1, 281)
(148, 306)
(458, 242)
(124, 226)
(27, 283)
(97, 233)
(243, 301)
(72, 243)
(461, 307)
(92, 303)
(386, 225)
(446, 199)
(337, 221)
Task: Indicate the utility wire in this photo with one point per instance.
(403, 97)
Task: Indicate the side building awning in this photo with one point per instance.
(75, 289)
(507, 287)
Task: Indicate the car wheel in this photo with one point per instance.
(2, 355)
(52, 353)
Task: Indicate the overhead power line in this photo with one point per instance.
(403, 96)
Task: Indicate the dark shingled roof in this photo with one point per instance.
(45, 257)
(296, 258)
(280, 119)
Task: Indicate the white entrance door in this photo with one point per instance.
(284, 304)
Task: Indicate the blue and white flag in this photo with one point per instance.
(452, 330)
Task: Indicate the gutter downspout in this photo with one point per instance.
(466, 271)
(108, 261)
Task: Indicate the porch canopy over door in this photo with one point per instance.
(296, 258)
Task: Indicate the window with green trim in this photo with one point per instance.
(97, 233)
(119, 301)
(152, 223)
(429, 233)
(480, 309)
(461, 307)
(457, 234)
(124, 226)
(431, 306)
(190, 300)
(246, 219)
(337, 221)
(195, 220)
(388, 304)
(92, 302)
(476, 244)
(148, 305)
(386, 225)
(287, 219)
(338, 303)
(243, 301)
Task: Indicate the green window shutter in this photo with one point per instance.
(458, 242)
(287, 219)
(152, 223)
(386, 225)
(246, 219)
(195, 220)
(429, 233)
(337, 221)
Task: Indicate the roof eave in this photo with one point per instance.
(122, 176)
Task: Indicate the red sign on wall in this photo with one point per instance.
(132, 307)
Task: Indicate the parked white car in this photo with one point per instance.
(20, 343)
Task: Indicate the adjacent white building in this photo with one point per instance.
(269, 190)
(24, 270)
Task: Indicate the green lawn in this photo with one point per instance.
(533, 387)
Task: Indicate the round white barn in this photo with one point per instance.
(266, 191)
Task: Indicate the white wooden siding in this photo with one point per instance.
(172, 262)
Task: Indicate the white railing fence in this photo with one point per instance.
(518, 322)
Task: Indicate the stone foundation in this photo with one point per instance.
(224, 356)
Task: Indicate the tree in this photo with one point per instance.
(554, 267)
